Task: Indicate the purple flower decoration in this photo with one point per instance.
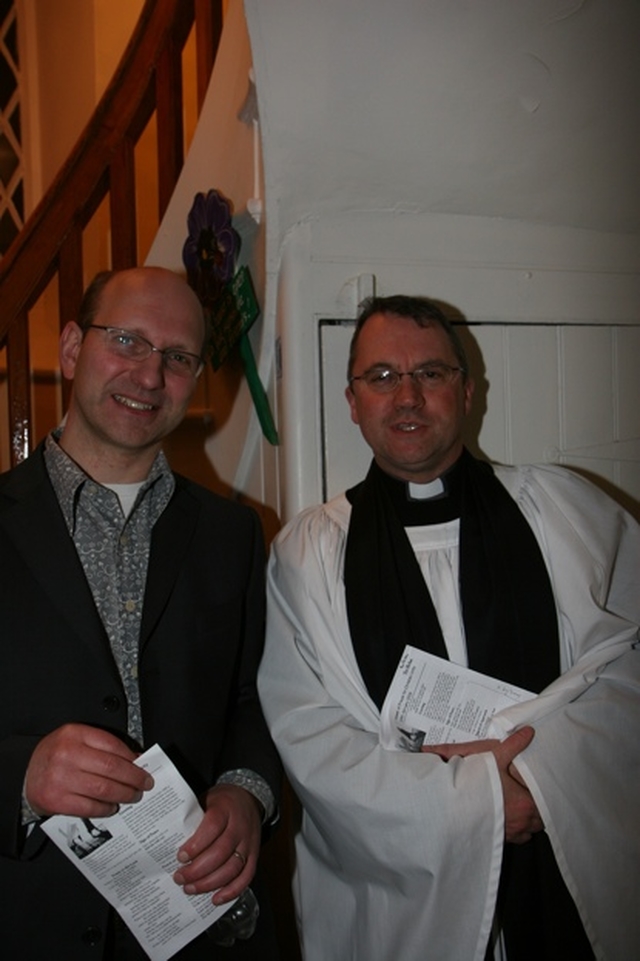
(209, 254)
(212, 245)
(227, 297)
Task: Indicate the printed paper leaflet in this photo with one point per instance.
(131, 857)
(433, 701)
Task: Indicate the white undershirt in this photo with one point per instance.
(127, 494)
(437, 551)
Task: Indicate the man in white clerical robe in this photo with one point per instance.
(407, 855)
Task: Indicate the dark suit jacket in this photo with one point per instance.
(201, 640)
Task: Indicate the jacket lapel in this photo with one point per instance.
(35, 525)
(172, 537)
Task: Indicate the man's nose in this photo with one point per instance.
(408, 393)
(149, 372)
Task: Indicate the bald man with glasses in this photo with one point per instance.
(132, 612)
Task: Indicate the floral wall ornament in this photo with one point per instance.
(226, 293)
(212, 245)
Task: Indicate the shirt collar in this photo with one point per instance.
(68, 478)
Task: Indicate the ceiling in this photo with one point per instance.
(522, 109)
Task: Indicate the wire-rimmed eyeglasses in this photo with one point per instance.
(384, 380)
(132, 346)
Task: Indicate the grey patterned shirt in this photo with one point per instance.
(114, 552)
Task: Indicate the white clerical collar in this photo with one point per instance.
(423, 492)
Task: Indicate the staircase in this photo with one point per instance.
(101, 168)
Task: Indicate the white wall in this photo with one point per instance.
(481, 153)
(96, 33)
(223, 156)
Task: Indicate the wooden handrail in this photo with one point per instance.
(148, 79)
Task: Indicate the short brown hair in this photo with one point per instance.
(421, 310)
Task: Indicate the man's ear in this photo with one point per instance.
(70, 343)
(351, 400)
(469, 389)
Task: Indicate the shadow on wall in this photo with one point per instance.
(185, 450)
(480, 403)
(210, 409)
(473, 424)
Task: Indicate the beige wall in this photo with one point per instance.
(74, 47)
(69, 50)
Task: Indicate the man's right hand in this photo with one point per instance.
(83, 771)
(521, 816)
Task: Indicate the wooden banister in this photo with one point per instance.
(148, 80)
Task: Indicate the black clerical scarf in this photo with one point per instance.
(508, 608)
(511, 633)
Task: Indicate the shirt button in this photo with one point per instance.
(111, 703)
(130, 606)
(92, 936)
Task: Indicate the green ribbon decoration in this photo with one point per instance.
(235, 312)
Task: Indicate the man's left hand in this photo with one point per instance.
(222, 854)
(521, 816)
